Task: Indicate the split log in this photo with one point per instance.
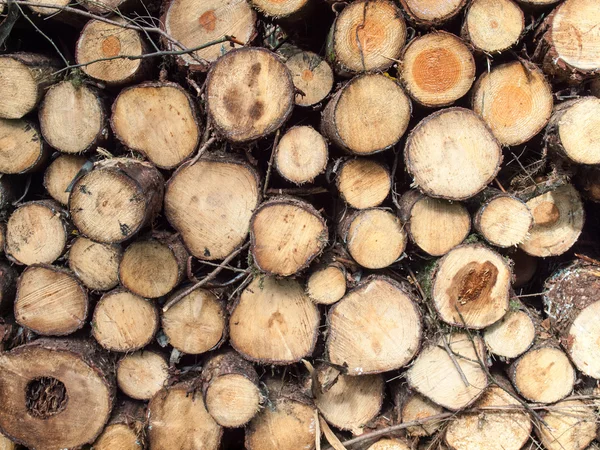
(301, 155)
(124, 322)
(436, 226)
(452, 154)
(354, 119)
(261, 107)
(312, 76)
(8, 279)
(515, 100)
(55, 393)
(363, 183)
(125, 429)
(22, 148)
(434, 373)
(230, 389)
(142, 374)
(432, 13)
(50, 301)
(60, 174)
(274, 322)
(177, 418)
(286, 235)
(366, 36)
(573, 132)
(471, 287)
(159, 120)
(493, 26)
(437, 69)
(195, 24)
(512, 335)
(413, 406)
(95, 264)
(327, 283)
(115, 200)
(24, 78)
(571, 426)
(374, 237)
(72, 118)
(389, 444)
(381, 320)
(195, 324)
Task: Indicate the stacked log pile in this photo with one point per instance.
(300, 224)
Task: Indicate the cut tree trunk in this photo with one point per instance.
(124, 322)
(471, 287)
(95, 264)
(301, 155)
(381, 319)
(125, 429)
(283, 9)
(274, 322)
(571, 425)
(195, 324)
(363, 183)
(50, 301)
(142, 374)
(435, 375)
(515, 100)
(115, 200)
(24, 78)
(210, 204)
(413, 406)
(389, 444)
(375, 237)
(261, 107)
(55, 393)
(60, 174)
(159, 120)
(177, 419)
(432, 13)
(53, 8)
(22, 148)
(311, 74)
(366, 36)
(436, 226)
(231, 391)
(514, 334)
(72, 118)
(8, 278)
(452, 154)
(327, 283)
(437, 69)
(286, 235)
(355, 121)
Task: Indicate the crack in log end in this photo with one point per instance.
(472, 285)
(45, 397)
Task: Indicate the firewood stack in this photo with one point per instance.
(300, 224)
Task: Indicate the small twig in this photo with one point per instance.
(43, 34)
(227, 267)
(203, 149)
(587, 259)
(454, 361)
(273, 151)
(499, 185)
(298, 191)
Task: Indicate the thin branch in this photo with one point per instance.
(463, 377)
(43, 34)
(202, 150)
(273, 151)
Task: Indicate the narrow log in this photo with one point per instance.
(60, 174)
(142, 374)
(301, 155)
(312, 76)
(503, 220)
(125, 429)
(363, 183)
(327, 283)
(96, 265)
(23, 150)
(512, 335)
(413, 406)
(571, 426)
(432, 13)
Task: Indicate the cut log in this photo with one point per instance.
(286, 235)
(60, 174)
(210, 204)
(452, 154)
(354, 119)
(574, 130)
(389, 444)
(503, 220)
(195, 24)
(286, 9)
(366, 36)
(195, 324)
(363, 183)
(471, 287)
(55, 393)
(53, 7)
(432, 13)
(177, 419)
(95, 264)
(493, 26)
(22, 148)
(375, 328)
(512, 335)
(124, 322)
(312, 76)
(24, 78)
(142, 374)
(436, 226)
(100, 40)
(434, 373)
(571, 425)
(261, 107)
(274, 322)
(154, 267)
(524, 267)
(375, 237)
(8, 282)
(416, 407)
(50, 301)
(327, 284)
(494, 429)
(105, 6)
(115, 200)
(159, 120)
(125, 429)
(230, 389)
(437, 69)
(558, 218)
(301, 155)
(572, 302)
(72, 118)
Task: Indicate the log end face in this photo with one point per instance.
(232, 400)
(19, 92)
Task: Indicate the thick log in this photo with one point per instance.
(142, 374)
